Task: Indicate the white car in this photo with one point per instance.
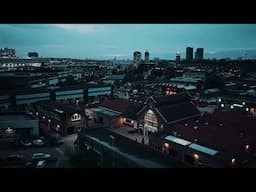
(38, 142)
(37, 156)
(41, 164)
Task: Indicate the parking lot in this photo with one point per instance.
(60, 154)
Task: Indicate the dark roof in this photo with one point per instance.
(67, 108)
(226, 137)
(24, 91)
(175, 107)
(171, 99)
(126, 107)
(178, 111)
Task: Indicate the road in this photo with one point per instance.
(66, 151)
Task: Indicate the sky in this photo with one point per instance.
(106, 41)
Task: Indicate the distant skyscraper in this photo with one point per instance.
(189, 54)
(136, 58)
(146, 57)
(199, 54)
(177, 58)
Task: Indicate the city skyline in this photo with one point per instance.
(106, 41)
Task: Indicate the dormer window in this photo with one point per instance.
(75, 117)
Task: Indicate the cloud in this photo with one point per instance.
(84, 28)
(211, 52)
(117, 55)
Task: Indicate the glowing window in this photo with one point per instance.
(75, 117)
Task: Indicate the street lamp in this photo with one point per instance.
(113, 160)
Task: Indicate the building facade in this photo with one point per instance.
(189, 54)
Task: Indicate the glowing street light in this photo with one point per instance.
(166, 145)
(196, 157)
(49, 120)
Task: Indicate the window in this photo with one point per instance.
(75, 117)
(151, 119)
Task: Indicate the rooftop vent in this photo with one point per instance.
(195, 140)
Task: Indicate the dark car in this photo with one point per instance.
(133, 131)
(15, 159)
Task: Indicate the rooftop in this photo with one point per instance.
(137, 153)
(16, 116)
(224, 131)
(61, 108)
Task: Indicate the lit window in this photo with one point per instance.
(243, 103)
(247, 147)
(231, 107)
(222, 105)
(151, 119)
(247, 109)
(219, 100)
(75, 117)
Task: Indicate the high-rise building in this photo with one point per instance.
(177, 58)
(189, 54)
(199, 54)
(146, 57)
(136, 58)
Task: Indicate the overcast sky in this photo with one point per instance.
(105, 41)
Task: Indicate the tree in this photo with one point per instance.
(214, 81)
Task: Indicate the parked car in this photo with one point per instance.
(38, 156)
(26, 143)
(133, 131)
(29, 165)
(38, 142)
(15, 159)
(41, 164)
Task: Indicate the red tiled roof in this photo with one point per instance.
(121, 105)
(224, 138)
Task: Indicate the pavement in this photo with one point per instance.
(123, 130)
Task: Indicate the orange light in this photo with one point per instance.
(196, 157)
(166, 145)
